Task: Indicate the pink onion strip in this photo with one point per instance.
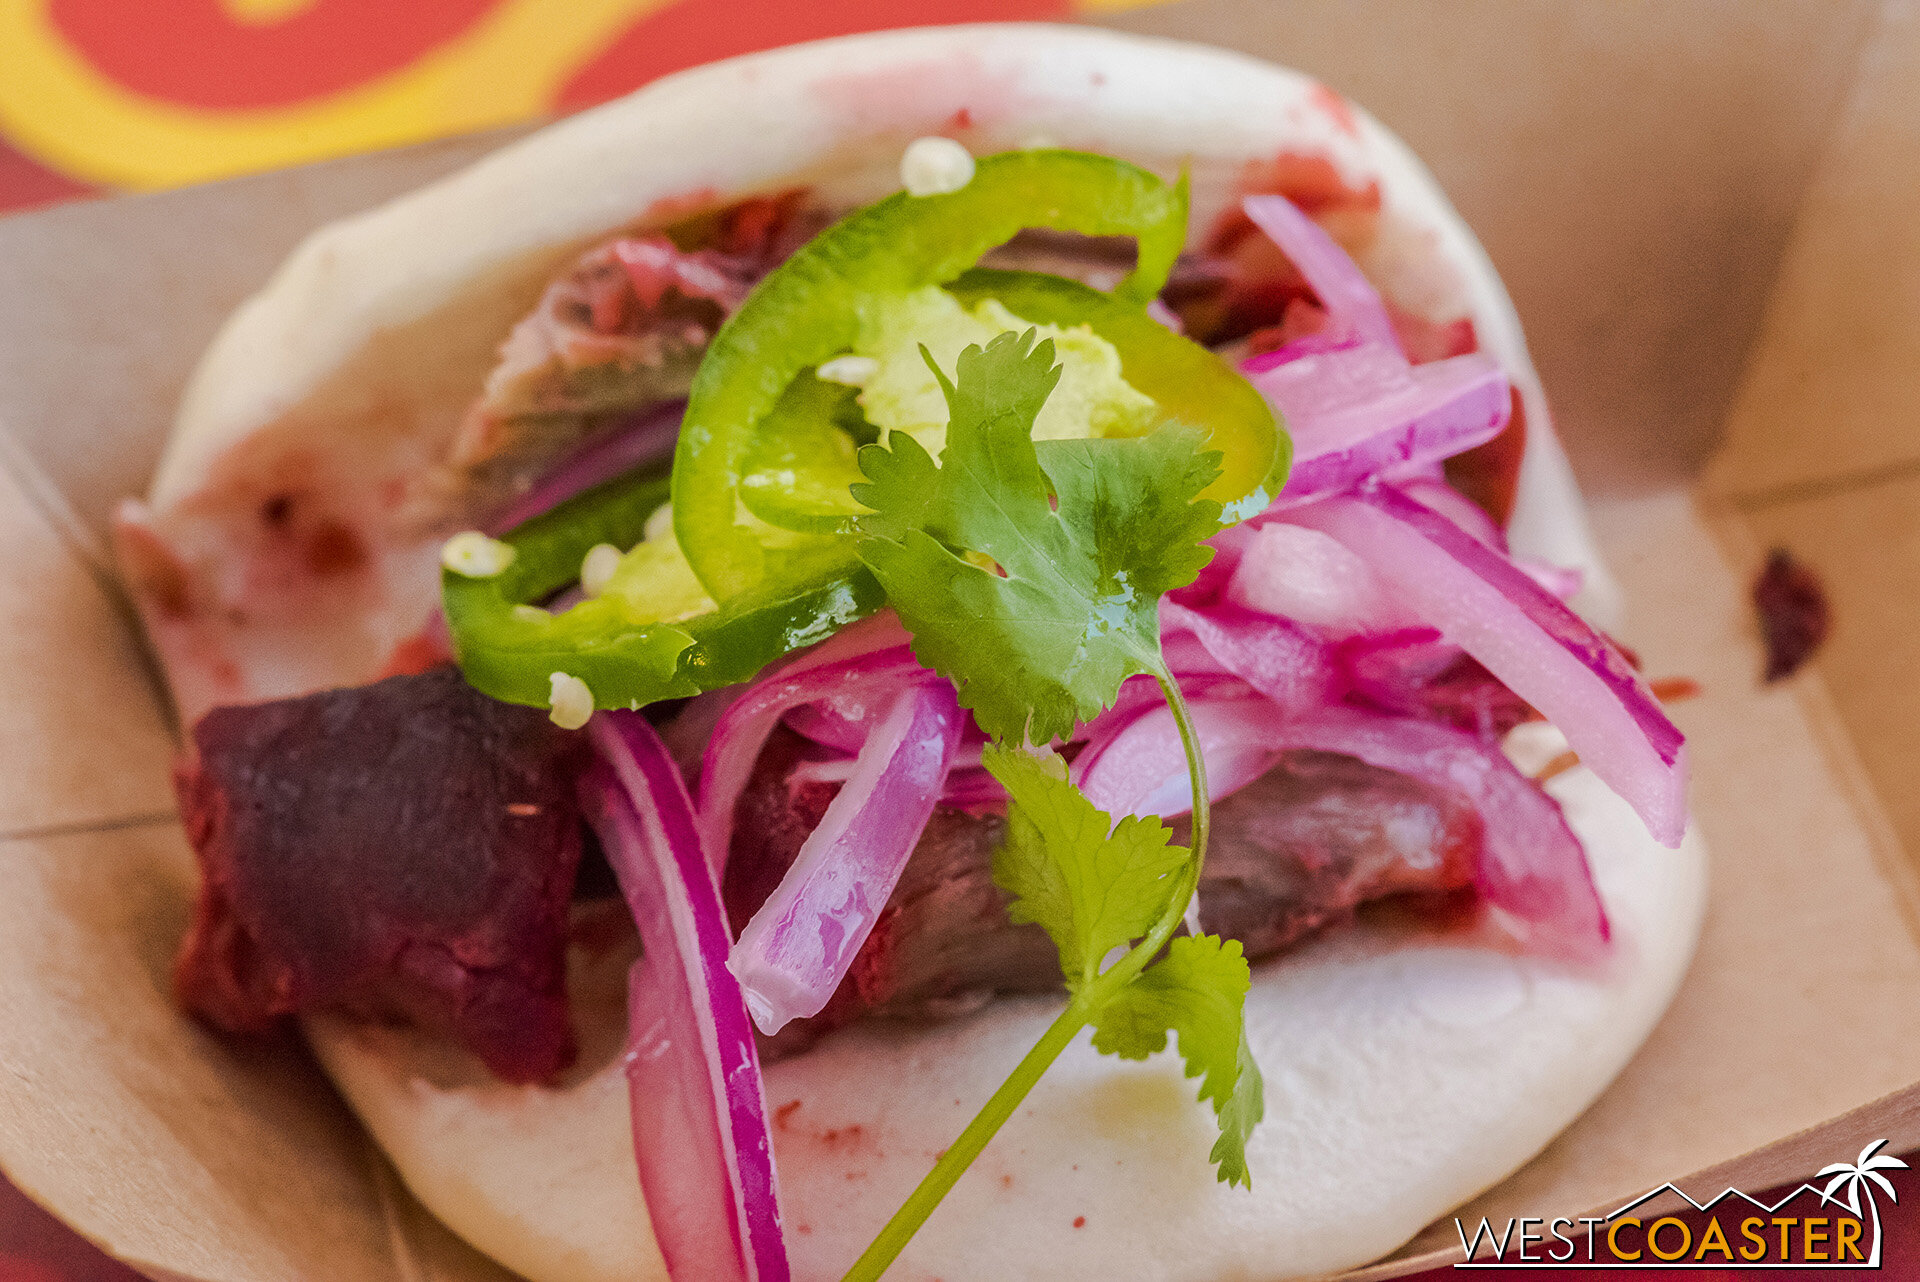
(1349, 298)
(1134, 773)
(743, 730)
(647, 437)
(700, 1124)
(836, 723)
(1354, 405)
(1458, 508)
(1527, 638)
(1530, 865)
(1277, 657)
(1354, 414)
(1417, 673)
(800, 943)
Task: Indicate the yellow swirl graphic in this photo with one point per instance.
(266, 12)
(59, 108)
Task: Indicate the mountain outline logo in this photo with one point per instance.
(1620, 1239)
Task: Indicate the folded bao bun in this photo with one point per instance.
(1406, 1069)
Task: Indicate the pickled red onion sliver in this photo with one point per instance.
(1348, 297)
(648, 437)
(797, 948)
(1354, 405)
(1142, 769)
(1459, 509)
(1415, 673)
(1556, 580)
(1358, 412)
(1227, 545)
(705, 1159)
(1185, 653)
(1277, 657)
(1530, 866)
(743, 730)
(833, 770)
(843, 721)
(1543, 652)
(1389, 669)
(1305, 577)
(1140, 695)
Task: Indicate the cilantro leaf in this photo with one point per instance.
(1094, 890)
(1072, 610)
(1030, 575)
(1089, 884)
(1197, 991)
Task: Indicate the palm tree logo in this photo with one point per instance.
(1860, 1176)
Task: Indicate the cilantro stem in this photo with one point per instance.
(1196, 770)
(919, 1205)
(1124, 971)
(1080, 1011)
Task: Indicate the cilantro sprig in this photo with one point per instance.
(1030, 573)
(1086, 535)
